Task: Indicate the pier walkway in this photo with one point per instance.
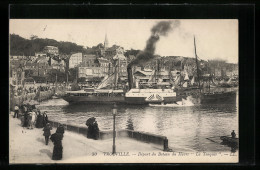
(28, 146)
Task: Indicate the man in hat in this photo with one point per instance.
(47, 132)
(16, 111)
(45, 119)
(233, 134)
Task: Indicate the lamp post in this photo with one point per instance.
(114, 111)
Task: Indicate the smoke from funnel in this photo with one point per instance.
(160, 29)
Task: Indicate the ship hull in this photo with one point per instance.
(226, 97)
(94, 99)
(203, 98)
(111, 100)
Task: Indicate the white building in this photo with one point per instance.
(51, 50)
(75, 59)
(40, 54)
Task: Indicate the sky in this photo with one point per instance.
(215, 39)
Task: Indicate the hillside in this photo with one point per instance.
(28, 47)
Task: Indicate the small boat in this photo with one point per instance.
(229, 140)
(182, 103)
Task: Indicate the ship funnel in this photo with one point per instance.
(130, 77)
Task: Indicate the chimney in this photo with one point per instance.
(130, 77)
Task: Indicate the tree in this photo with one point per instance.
(22, 46)
(33, 37)
(72, 74)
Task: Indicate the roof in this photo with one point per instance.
(163, 73)
(119, 56)
(76, 92)
(114, 47)
(42, 59)
(76, 53)
(147, 73)
(103, 60)
(90, 56)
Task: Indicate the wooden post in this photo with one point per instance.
(114, 129)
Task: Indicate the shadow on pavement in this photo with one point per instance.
(48, 152)
(42, 140)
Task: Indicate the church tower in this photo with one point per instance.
(106, 42)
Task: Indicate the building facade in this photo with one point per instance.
(94, 67)
(40, 54)
(51, 50)
(75, 60)
(57, 64)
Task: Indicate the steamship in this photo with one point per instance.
(108, 96)
(149, 95)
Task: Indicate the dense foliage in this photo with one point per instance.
(28, 47)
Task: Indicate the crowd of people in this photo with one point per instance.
(31, 117)
(31, 89)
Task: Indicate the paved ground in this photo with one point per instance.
(28, 146)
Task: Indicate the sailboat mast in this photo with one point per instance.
(197, 63)
(116, 74)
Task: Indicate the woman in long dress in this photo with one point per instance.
(34, 115)
(39, 121)
(56, 138)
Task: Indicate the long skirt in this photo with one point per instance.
(57, 152)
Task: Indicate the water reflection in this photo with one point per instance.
(130, 124)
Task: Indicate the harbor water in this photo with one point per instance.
(186, 127)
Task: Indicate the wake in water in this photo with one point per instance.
(54, 102)
(183, 103)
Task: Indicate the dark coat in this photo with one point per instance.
(47, 130)
(26, 121)
(60, 129)
(45, 120)
(39, 121)
(93, 131)
(56, 138)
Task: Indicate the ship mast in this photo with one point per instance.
(197, 63)
(116, 73)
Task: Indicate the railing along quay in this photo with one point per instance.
(137, 135)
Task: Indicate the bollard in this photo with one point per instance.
(165, 145)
